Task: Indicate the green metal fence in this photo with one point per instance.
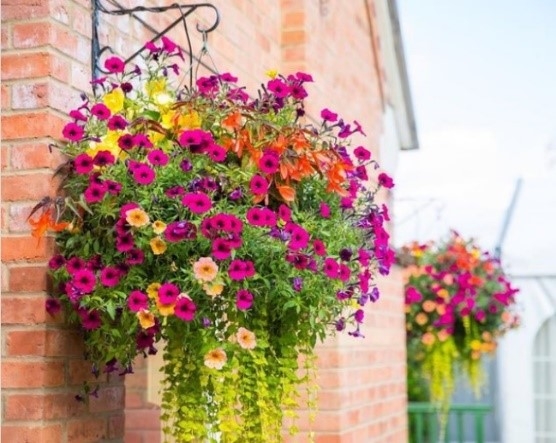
(465, 423)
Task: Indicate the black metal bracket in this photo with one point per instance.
(184, 10)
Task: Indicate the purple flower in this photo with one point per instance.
(137, 301)
(73, 132)
(101, 111)
(297, 284)
(186, 165)
(114, 65)
(244, 300)
(185, 309)
(340, 324)
(180, 230)
(236, 194)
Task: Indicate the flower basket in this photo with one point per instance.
(459, 302)
(226, 226)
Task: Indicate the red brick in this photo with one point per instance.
(116, 426)
(80, 371)
(27, 278)
(31, 186)
(4, 157)
(25, 248)
(27, 310)
(31, 125)
(24, 9)
(42, 407)
(49, 343)
(5, 36)
(87, 430)
(293, 37)
(294, 19)
(32, 434)
(30, 35)
(25, 65)
(6, 99)
(109, 399)
(31, 374)
(147, 419)
(34, 155)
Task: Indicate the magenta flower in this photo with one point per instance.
(359, 315)
(361, 173)
(89, 319)
(126, 207)
(278, 88)
(269, 163)
(412, 295)
(75, 264)
(56, 262)
(298, 92)
(328, 116)
(197, 202)
(344, 273)
(254, 216)
(258, 185)
(244, 299)
(143, 174)
(83, 164)
(180, 230)
(285, 213)
(73, 132)
(324, 210)
(158, 157)
(101, 111)
(95, 192)
(185, 309)
(135, 257)
(331, 268)
(114, 65)
(385, 180)
(110, 276)
(77, 115)
(221, 249)
(319, 247)
(125, 242)
(137, 301)
(240, 270)
(53, 306)
(84, 280)
(104, 158)
(168, 293)
(216, 153)
(142, 141)
(299, 237)
(112, 187)
(117, 123)
(362, 154)
(126, 142)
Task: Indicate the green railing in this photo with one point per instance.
(465, 423)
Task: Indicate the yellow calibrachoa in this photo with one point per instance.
(114, 100)
(146, 319)
(152, 289)
(158, 227)
(158, 246)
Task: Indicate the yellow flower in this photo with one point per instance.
(165, 310)
(114, 100)
(137, 217)
(205, 269)
(109, 143)
(475, 345)
(159, 227)
(158, 246)
(443, 293)
(246, 338)
(156, 86)
(272, 73)
(191, 120)
(152, 289)
(216, 359)
(214, 288)
(146, 319)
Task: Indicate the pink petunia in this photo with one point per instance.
(95, 192)
(240, 270)
(328, 115)
(319, 247)
(185, 309)
(137, 301)
(125, 242)
(221, 249)
(331, 268)
(83, 164)
(110, 276)
(73, 132)
(84, 280)
(168, 293)
(278, 88)
(158, 157)
(101, 111)
(143, 174)
(284, 213)
(117, 123)
(362, 154)
(258, 185)
(385, 180)
(244, 299)
(324, 210)
(216, 153)
(197, 202)
(89, 319)
(114, 65)
(104, 158)
(75, 264)
(269, 163)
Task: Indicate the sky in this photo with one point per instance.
(482, 76)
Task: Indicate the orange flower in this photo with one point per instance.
(158, 246)
(246, 338)
(205, 269)
(428, 338)
(421, 318)
(137, 217)
(146, 319)
(429, 306)
(45, 223)
(216, 359)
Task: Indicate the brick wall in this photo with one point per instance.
(45, 64)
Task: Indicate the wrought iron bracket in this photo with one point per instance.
(98, 7)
